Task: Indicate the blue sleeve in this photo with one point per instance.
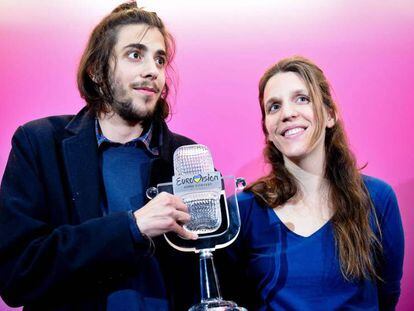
(392, 238)
(138, 237)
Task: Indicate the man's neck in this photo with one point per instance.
(117, 129)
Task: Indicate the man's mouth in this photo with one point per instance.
(146, 89)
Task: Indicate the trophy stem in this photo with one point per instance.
(210, 290)
(208, 277)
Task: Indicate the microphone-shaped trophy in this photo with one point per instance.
(217, 222)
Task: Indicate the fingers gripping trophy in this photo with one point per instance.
(212, 204)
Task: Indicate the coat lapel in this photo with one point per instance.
(162, 167)
(80, 152)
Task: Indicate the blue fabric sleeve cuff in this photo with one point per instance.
(138, 237)
(136, 234)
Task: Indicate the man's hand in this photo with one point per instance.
(162, 214)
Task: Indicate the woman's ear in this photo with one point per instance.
(331, 118)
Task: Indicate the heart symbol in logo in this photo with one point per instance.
(197, 178)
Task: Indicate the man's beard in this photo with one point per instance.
(124, 107)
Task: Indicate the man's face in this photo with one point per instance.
(137, 76)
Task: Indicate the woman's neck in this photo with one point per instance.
(311, 182)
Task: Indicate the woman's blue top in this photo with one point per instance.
(270, 267)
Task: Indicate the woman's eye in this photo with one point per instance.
(303, 99)
(274, 107)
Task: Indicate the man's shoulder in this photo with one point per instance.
(48, 124)
(171, 140)
(43, 131)
(41, 134)
(181, 140)
(58, 125)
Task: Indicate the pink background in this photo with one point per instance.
(366, 49)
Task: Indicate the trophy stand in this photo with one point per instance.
(210, 290)
(211, 298)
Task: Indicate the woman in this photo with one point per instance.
(316, 234)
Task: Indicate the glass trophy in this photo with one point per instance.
(215, 218)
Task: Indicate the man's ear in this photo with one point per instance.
(92, 75)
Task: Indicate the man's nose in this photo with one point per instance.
(149, 69)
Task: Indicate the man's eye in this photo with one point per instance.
(161, 61)
(135, 55)
(302, 99)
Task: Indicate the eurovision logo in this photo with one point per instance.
(180, 181)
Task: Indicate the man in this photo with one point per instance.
(76, 230)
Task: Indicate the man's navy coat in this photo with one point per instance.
(57, 252)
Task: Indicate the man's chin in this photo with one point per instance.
(132, 115)
(137, 117)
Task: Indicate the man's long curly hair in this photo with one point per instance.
(357, 245)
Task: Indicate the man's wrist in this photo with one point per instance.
(139, 237)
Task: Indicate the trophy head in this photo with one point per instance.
(210, 197)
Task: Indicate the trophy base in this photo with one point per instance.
(217, 305)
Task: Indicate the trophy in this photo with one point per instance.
(212, 204)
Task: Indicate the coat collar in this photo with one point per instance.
(80, 152)
(162, 167)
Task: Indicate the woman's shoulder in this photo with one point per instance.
(248, 200)
(382, 195)
(375, 185)
(249, 205)
(245, 197)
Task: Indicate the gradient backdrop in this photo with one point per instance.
(366, 49)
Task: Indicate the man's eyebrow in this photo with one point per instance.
(161, 52)
(143, 47)
(137, 46)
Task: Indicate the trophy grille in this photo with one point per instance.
(204, 208)
(194, 159)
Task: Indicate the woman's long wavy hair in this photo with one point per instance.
(93, 76)
(356, 242)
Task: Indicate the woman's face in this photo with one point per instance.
(290, 118)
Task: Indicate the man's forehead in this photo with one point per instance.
(142, 34)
